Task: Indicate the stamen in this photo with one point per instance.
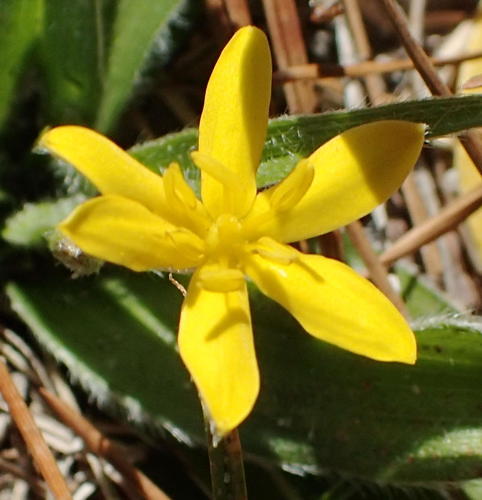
(272, 250)
(224, 236)
(185, 208)
(215, 169)
(229, 228)
(291, 189)
(178, 192)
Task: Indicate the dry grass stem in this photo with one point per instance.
(34, 440)
(102, 446)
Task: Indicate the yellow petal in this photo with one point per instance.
(124, 232)
(354, 172)
(335, 304)
(107, 166)
(234, 119)
(216, 344)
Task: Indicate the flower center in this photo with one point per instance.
(224, 245)
(225, 240)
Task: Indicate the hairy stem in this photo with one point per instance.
(226, 464)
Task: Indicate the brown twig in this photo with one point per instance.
(41, 454)
(321, 14)
(376, 269)
(33, 481)
(418, 214)
(420, 59)
(25, 350)
(331, 245)
(218, 17)
(289, 49)
(226, 16)
(448, 218)
(238, 12)
(374, 82)
(423, 65)
(321, 71)
(100, 445)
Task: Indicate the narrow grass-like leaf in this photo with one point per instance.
(140, 32)
(72, 56)
(291, 138)
(19, 28)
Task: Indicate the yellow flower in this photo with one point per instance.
(146, 221)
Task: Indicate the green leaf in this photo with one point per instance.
(29, 226)
(72, 52)
(159, 153)
(140, 32)
(19, 27)
(389, 422)
(423, 300)
(291, 138)
(473, 489)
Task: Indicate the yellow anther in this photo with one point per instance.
(185, 208)
(291, 189)
(272, 250)
(215, 169)
(178, 192)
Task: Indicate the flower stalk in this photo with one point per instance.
(225, 463)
